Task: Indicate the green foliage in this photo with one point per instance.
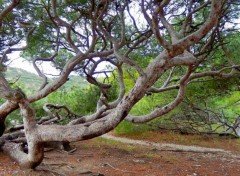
(233, 42)
(125, 128)
(14, 118)
(83, 101)
(20, 78)
(79, 100)
(229, 104)
(39, 47)
(74, 2)
(62, 57)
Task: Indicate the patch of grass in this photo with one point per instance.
(105, 146)
(101, 143)
(151, 155)
(119, 145)
(125, 128)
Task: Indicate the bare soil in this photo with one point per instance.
(102, 157)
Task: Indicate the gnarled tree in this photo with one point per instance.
(77, 36)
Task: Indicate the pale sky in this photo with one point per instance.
(17, 61)
(45, 67)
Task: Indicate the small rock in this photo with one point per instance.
(97, 174)
(86, 172)
(138, 161)
(89, 173)
(193, 174)
(154, 149)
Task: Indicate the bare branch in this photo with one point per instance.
(153, 23)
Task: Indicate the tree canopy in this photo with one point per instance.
(160, 46)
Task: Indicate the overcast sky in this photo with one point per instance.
(45, 67)
(17, 61)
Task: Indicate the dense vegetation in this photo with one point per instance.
(219, 98)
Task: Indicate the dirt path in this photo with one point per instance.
(164, 146)
(117, 156)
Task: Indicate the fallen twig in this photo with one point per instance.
(48, 149)
(71, 151)
(54, 172)
(107, 164)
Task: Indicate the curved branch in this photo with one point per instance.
(153, 23)
(167, 108)
(8, 9)
(8, 107)
(196, 36)
(166, 24)
(60, 22)
(219, 73)
(189, 16)
(35, 149)
(27, 41)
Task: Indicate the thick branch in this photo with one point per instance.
(167, 108)
(7, 10)
(210, 23)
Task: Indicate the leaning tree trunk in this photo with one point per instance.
(37, 135)
(34, 155)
